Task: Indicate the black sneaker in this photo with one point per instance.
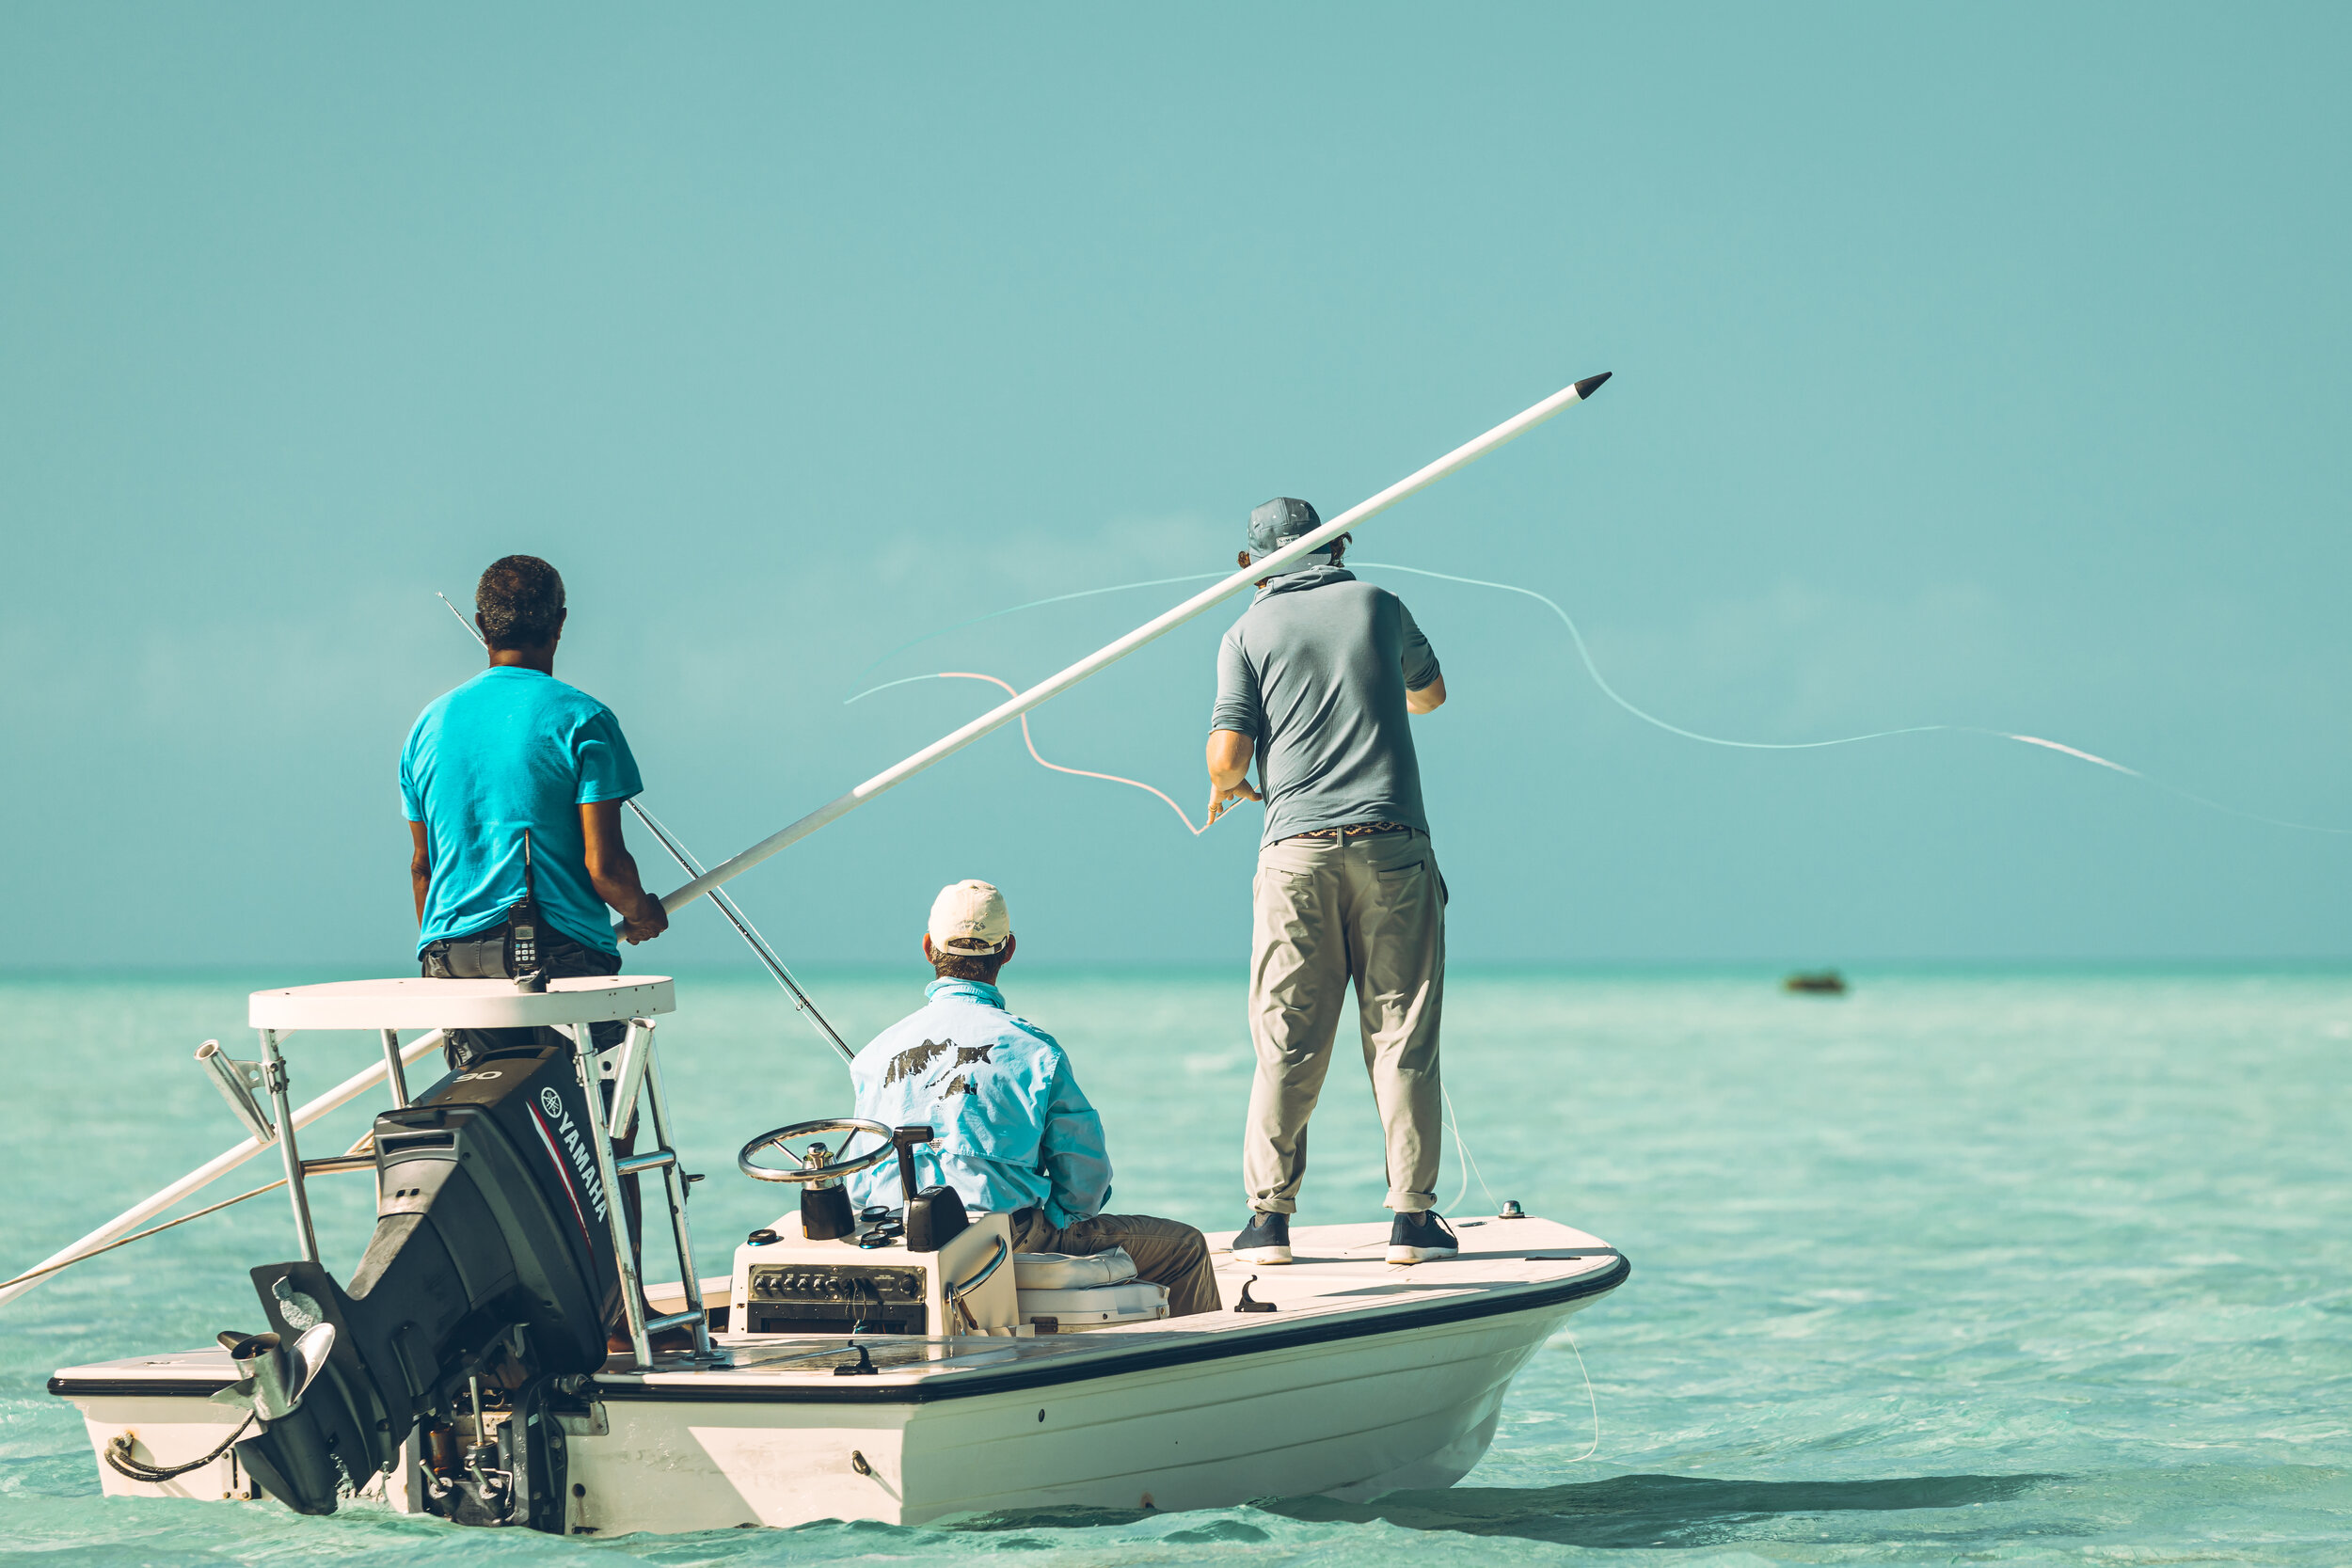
(1265, 1240)
(1417, 1238)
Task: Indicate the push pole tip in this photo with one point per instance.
(1590, 384)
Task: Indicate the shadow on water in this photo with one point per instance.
(1652, 1511)
(1624, 1511)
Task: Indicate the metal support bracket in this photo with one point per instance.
(615, 1212)
(676, 1184)
(395, 1070)
(273, 1067)
(628, 1073)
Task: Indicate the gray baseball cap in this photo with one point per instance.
(1278, 522)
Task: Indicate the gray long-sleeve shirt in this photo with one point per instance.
(1315, 673)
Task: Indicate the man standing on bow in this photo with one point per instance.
(513, 784)
(1316, 680)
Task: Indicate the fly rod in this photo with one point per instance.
(1054, 686)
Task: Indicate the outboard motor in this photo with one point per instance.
(491, 1278)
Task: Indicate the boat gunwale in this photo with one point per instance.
(1207, 1347)
(1108, 1362)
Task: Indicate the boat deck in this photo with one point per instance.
(1339, 1287)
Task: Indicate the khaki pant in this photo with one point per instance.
(1369, 910)
(1167, 1252)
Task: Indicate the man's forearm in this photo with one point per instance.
(1229, 770)
(419, 867)
(1079, 1183)
(617, 883)
(613, 872)
(1228, 758)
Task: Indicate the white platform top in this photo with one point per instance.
(412, 1002)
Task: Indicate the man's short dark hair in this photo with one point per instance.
(519, 602)
(968, 966)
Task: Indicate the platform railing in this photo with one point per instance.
(636, 1079)
(636, 1082)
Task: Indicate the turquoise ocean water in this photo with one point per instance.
(1980, 1268)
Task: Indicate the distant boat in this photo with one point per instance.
(1815, 982)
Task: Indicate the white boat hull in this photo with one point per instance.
(1357, 1417)
(1368, 1380)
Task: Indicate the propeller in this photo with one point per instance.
(275, 1379)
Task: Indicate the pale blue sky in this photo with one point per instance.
(1979, 365)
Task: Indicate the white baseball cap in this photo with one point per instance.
(969, 918)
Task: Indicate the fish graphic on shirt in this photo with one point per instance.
(966, 1055)
(914, 1059)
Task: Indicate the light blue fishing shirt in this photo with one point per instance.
(509, 749)
(1015, 1130)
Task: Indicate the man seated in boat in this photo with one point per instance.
(513, 784)
(1016, 1136)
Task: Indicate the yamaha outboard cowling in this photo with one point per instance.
(491, 1267)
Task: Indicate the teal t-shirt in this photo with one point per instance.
(509, 749)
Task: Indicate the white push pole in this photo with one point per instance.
(217, 1167)
(1012, 708)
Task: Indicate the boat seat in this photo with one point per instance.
(1077, 1293)
(1069, 1271)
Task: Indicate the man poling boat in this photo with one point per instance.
(1319, 681)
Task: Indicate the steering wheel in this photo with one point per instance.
(833, 1172)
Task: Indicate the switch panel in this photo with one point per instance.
(833, 1298)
